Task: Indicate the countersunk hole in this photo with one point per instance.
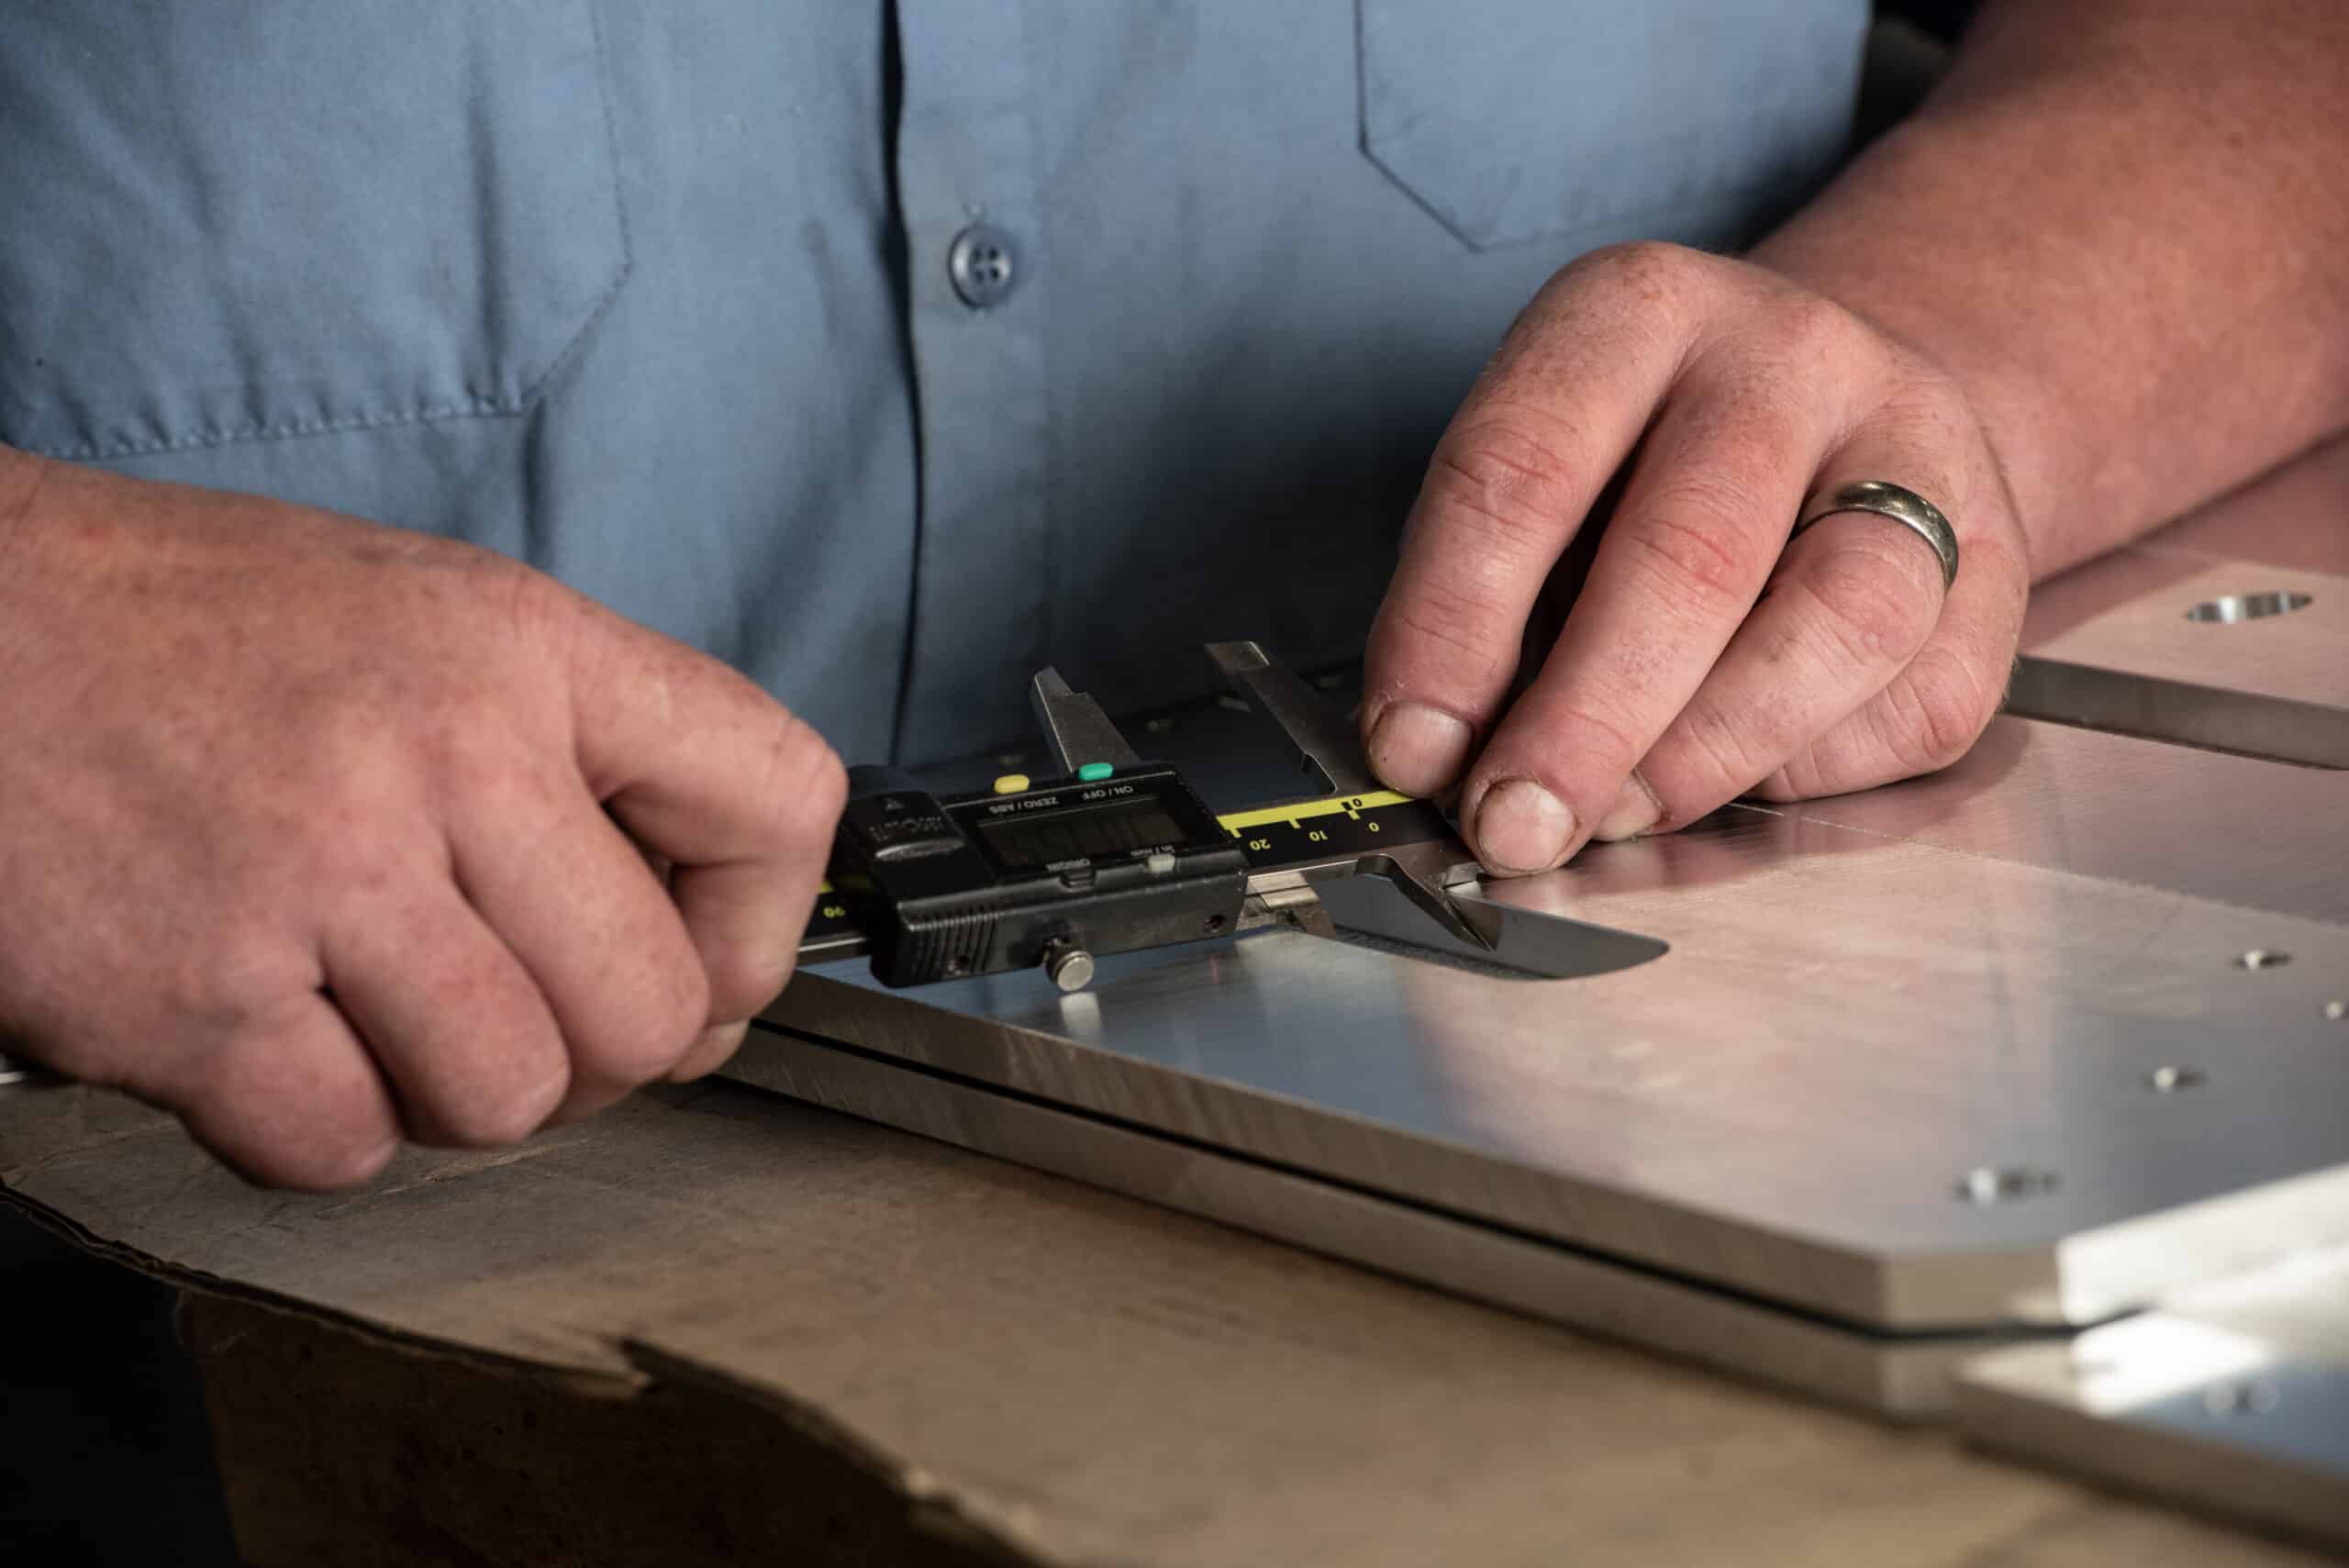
(1988, 1184)
(2263, 958)
(2234, 608)
(1214, 924)
(2247, 1396)
(2170, 1080)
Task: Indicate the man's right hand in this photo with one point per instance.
(322, 834)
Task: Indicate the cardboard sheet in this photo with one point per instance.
(1065, 1375)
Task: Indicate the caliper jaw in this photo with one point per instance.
(1329, 750)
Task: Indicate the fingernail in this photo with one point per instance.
(1635, 810)
(709, 1051)
(1417, 750)
(1521, 827)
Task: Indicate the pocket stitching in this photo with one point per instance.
(478, 407)
(1395, 139)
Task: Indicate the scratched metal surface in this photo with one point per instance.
(1874, 1015)
(2021, 981)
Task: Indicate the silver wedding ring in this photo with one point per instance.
(1906, 507)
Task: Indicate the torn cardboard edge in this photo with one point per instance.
(932, 1506)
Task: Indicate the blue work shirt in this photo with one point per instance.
(656, 295)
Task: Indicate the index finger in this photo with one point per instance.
(705, 770)
(1509, 486)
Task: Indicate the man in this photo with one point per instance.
(885, 351)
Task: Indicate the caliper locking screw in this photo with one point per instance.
(1070, 966)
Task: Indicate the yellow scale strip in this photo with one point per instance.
(1352, 804)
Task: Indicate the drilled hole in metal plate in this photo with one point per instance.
(2233, 610)
(2336, 1011)
(1988, 1184)
(2170, 1080)
(2247, 1396)
(2263, 958)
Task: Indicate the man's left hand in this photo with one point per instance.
(1705, 657)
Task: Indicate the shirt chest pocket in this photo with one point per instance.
(239, 219)
(1512, 120)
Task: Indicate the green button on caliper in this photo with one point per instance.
(1093, 773)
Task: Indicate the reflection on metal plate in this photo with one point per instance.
(2234, 1396)
(1902, 1075)
(2233, 829)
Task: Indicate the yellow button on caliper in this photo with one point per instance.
(1011, 783)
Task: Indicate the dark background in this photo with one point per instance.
(105, 1456)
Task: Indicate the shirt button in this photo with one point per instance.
(983, 265)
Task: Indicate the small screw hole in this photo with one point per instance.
(2234, 610)
(2263, 958)
(2250, 1396)
(2170, 1080)
(1988, 1184)
(2336, 1011)
(1214, 924)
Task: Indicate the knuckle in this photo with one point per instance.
(1811, 326)
(1944, 704)
(745, 977)
(1439, 615)
(674, 1015)
(824, 792)
(1508, 489)
(1722, 749)
(352, 1164)
(495, 1120)
(641, 1024)
(1695, 547)
(804, 784)
(313, 1139)
(1655, 268)
(1573, 732)
(1868, 605)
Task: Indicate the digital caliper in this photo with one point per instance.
(1118, 854)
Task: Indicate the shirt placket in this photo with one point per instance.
(976, 292)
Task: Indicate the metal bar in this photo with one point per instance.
(1075, 727)
(1328, 749)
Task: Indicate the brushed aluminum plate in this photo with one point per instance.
(1912, 1065)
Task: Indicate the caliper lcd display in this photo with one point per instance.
(1083, 832)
